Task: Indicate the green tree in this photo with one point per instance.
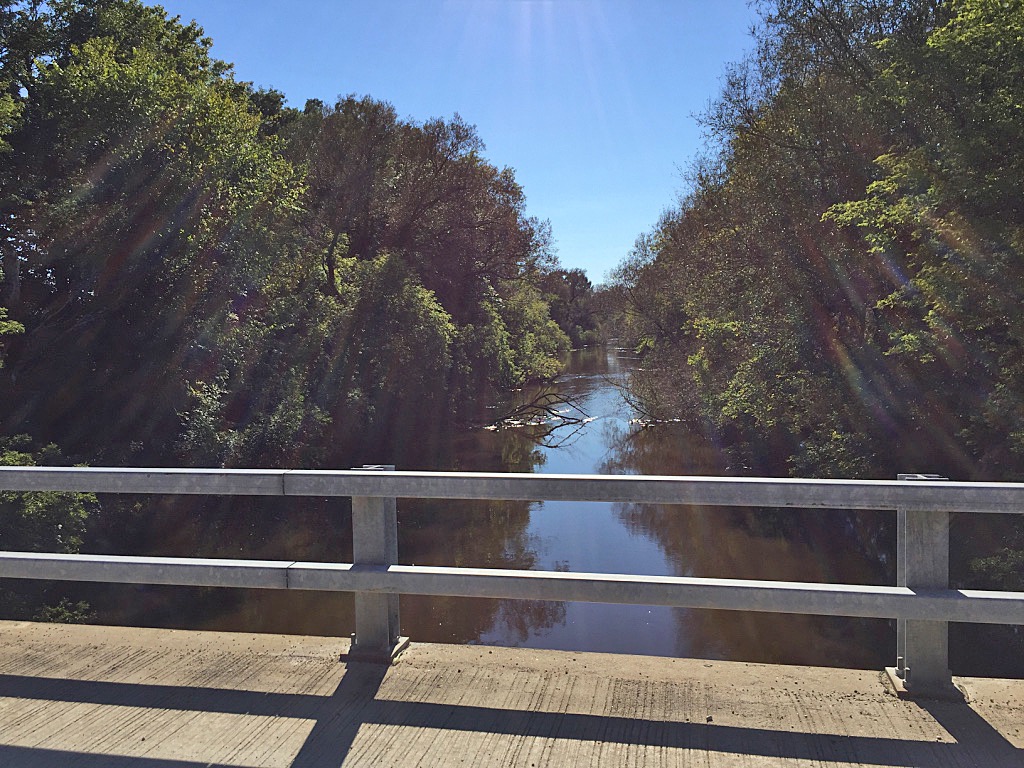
(45, 521)
(838, 292)
(137, 205)
(423, 194)
(948, 204)
(421, 191)
(206, 275)
(570, 295)
(887, 340)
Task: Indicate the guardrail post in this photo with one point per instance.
(922, 561)
(375, 542)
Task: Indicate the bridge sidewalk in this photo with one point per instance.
(105, 696)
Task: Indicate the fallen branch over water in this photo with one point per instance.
(546, 418)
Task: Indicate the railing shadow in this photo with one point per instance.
(38, 757)
(974, 732)
(356, 702)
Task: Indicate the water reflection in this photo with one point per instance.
(784, 545)
(624, 538)
(457, 533)
(672, 540)
(460, 533)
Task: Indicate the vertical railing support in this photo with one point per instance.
(922, 562)
(375, 542)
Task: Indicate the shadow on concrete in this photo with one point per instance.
(977, 737)
(354, 703)
(35, 757)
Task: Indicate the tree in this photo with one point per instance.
(571, 298)
(44, 521)
(888, 339)
(136, 205)
(419, 191)
(205, 274)
(422, 194)
(947, 203)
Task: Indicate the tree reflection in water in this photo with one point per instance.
(718, 542)
(453, 533)
(749, 543)
(474, 534)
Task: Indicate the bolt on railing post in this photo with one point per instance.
(922, 561)
(375, 542)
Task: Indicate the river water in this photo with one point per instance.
(674, 540)
(588, 537)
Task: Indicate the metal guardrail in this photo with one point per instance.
(921, 601)
(935, 495)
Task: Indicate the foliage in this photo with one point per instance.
(574, 306)
(205, 275)
(135, 202)
(192, 272)
(838, 285)
(7, 328)
(41, 521)
(47, 521)
(948, 199)
(1003, 570)
(838, 292)
(538, 344)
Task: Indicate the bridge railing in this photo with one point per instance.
(921, 601)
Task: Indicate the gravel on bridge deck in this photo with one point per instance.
(116, 697)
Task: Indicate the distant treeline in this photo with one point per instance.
(195, 273)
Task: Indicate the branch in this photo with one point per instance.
(547, 416)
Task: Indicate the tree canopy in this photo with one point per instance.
(194, 272)
(837, 289)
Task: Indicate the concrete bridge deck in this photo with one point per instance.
(115, 697)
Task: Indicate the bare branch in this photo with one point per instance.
(551, 419)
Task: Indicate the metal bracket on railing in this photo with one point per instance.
(922, 562)
(378, 636)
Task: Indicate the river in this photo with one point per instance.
(788, 545)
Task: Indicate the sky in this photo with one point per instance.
(593, 103)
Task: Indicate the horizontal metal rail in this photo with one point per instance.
(675, 591)
(921, 601)
(942, 496)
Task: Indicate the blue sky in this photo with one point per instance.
(592, 102)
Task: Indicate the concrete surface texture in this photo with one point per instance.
(105, 696)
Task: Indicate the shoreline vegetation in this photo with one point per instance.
(194, 272)
(837, 293)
